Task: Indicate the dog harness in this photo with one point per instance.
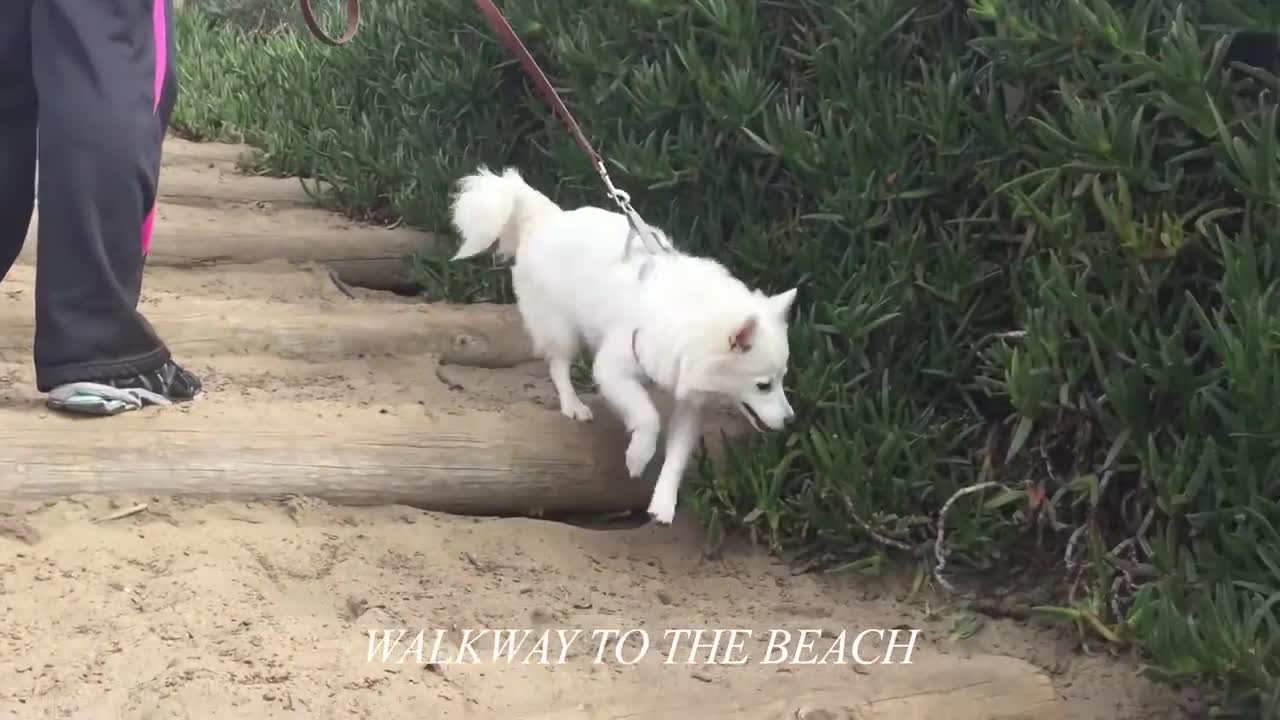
(635, 352)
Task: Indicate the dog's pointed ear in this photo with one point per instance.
(782, 302)
(740, 339)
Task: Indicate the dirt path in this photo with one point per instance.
(232, 609)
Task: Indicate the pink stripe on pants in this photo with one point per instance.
(160, 35)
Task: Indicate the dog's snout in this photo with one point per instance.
(789, 417)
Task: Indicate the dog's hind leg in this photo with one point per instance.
(682, 437)
(615, 373)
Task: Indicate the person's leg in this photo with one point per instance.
(106, 85)
(17, 132)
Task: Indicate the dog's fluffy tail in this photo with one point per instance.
(491, 208)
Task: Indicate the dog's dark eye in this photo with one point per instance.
(764, 386)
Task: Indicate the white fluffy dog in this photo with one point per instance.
(682, 322)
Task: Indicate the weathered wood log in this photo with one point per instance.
(220, 187)
(202, 221)
(178, 151)
(364, 255)
(209, 173)
(473, 335)
(987, 687)
(506, 458)
(519, 460)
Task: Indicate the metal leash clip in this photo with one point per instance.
(653, 241)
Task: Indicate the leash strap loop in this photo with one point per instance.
(353, 23)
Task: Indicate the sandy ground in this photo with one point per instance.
(264, 609)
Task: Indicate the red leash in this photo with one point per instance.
(353, 23)
(509, 38)
(654, 241)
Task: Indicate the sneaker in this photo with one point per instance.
(170, 380)
(164, 385)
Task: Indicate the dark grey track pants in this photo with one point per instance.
(97, 77)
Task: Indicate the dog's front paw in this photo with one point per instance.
(662, 510)
(639, 452)
(576, 410)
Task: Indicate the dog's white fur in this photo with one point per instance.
(681, 321)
